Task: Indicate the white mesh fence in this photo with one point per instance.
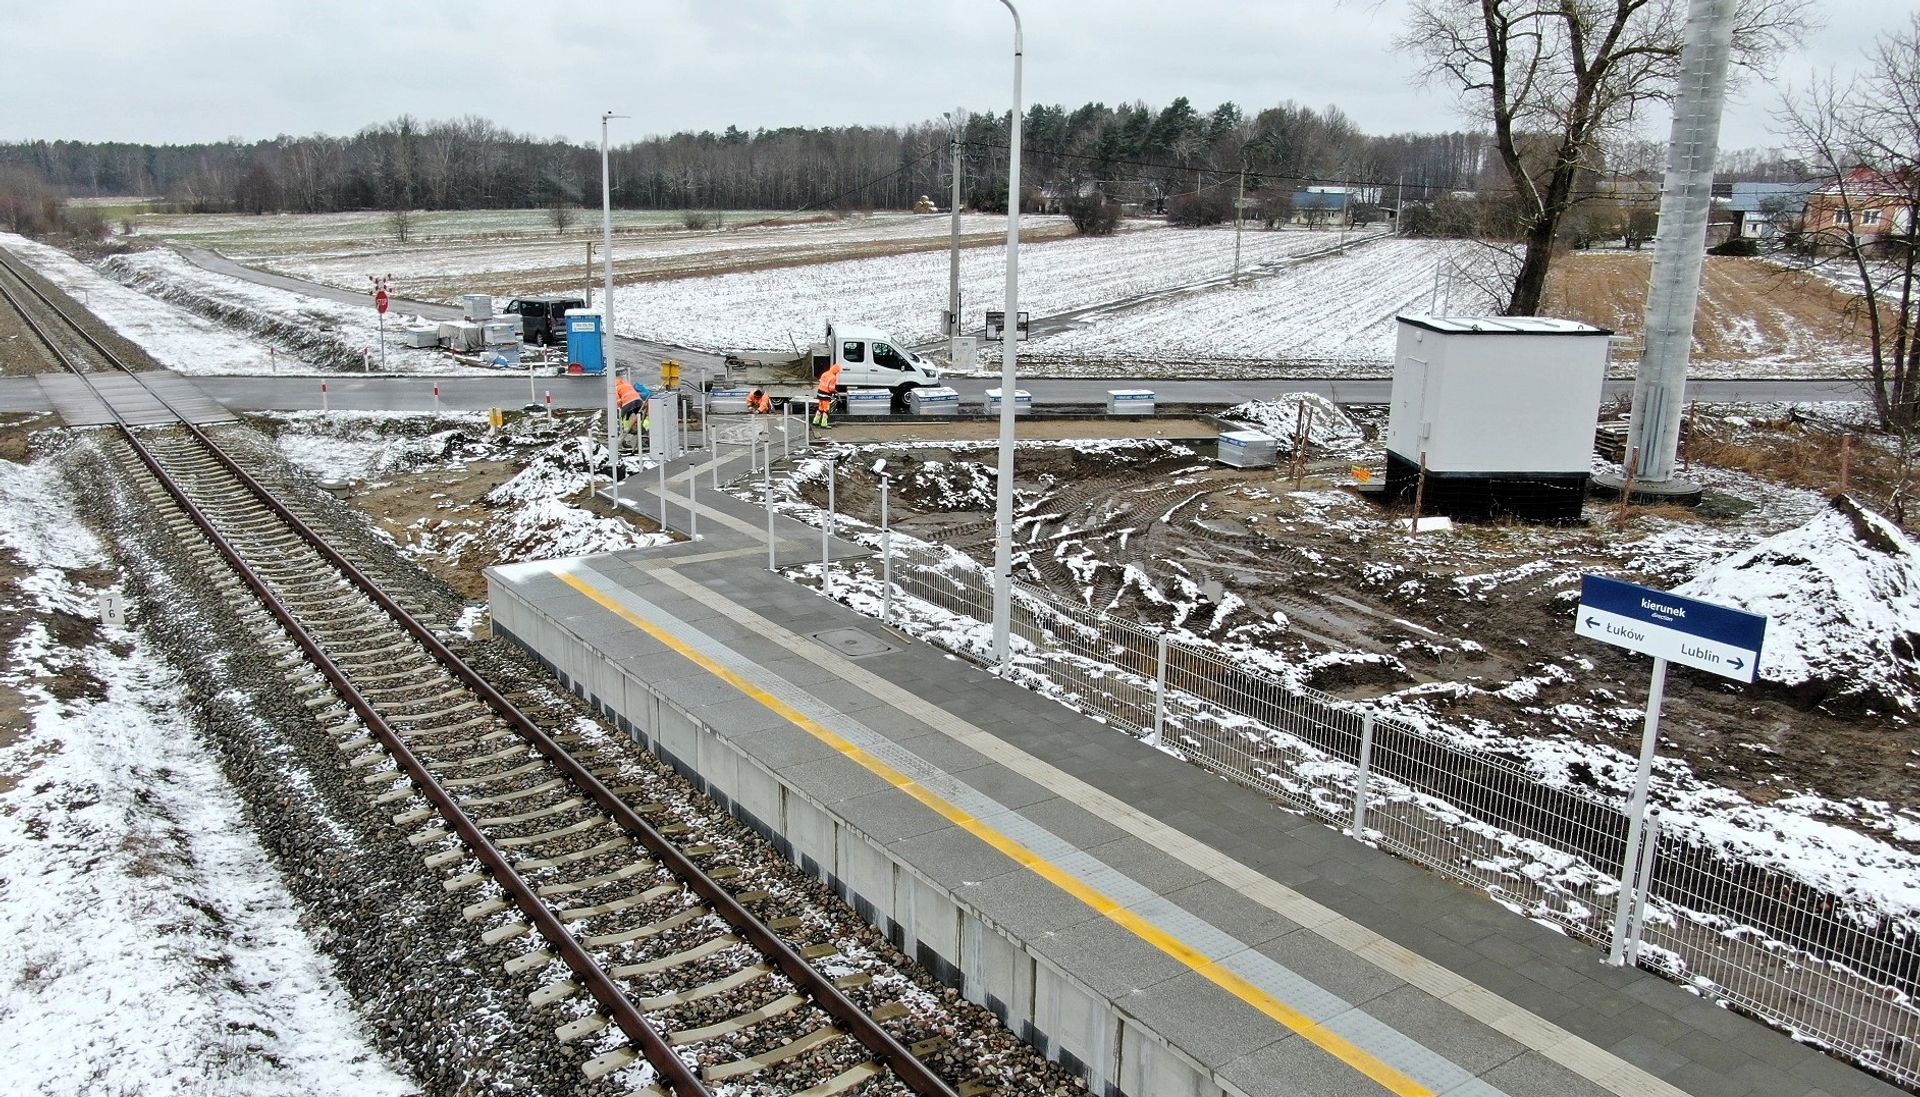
(1769, 944)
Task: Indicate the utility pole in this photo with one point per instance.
(959, 117)
(1009, 360)
(1239, 201)
(1659, 386)
(606, 313)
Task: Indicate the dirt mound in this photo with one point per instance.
(1843, 593)
(1330, 427)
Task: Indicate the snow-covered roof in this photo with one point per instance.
(1319, 199)
(861, 331)
(1756, 197)
(1500, 325)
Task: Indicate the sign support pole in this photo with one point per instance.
(1637, 814)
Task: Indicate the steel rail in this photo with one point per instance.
(596, 980)
(855, 1021)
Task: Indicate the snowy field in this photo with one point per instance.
(198, 322)
(515, 251)
(904, 294)
(1331, 314)
(150, 946)
(299, 233)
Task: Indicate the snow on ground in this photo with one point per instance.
(149, 945)
(182, 339)
(430, 265)
(904, 294)
(1333, 312)
(314, 332)
(1843, 595)
(1807, 837)
(529, 517)
(1329, 428)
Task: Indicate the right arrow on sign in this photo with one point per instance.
(1702, 635)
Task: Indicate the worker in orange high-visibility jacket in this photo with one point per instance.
(759, 403)
(632, 401)
(829, 384)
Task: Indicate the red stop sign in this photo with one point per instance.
(380, 300)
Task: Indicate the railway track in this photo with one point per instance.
(640, 940)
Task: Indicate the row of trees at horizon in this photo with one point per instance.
(470, 162)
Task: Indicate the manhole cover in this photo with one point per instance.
(853, 643)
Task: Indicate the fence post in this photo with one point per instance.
(786, 435)
(886, 558)
(766, 473)
(662, 459)
(826, 537)
(1160, 697)
(693, 502)
(1648, 840)
(1362, 779)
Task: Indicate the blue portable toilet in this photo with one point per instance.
(586, 353)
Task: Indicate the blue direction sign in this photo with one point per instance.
(1674, 627)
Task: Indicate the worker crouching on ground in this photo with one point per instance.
(759, 403)
(829, 384)
(633, 403)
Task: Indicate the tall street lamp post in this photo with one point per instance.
(606, 312)
(1009, 360)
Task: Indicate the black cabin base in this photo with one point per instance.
(1534, 496)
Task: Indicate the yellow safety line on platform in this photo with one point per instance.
(1331, 1042)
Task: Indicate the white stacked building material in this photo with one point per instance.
(728, 401)
(501, 332)
(1130, 401)
(476, 306)
(934, 400)
(1022, 401)
(463, 335)
(869, 402)
(422, 335)
(1248, 449)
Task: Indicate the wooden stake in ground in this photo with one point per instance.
(1626, 489)
(1301, 431)
(1846, 460)
(1686, 440)
(1419, 496)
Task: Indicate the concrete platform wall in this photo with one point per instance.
(1070, 1022)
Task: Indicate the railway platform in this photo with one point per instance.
(1157, 929)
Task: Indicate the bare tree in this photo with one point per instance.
(1557, 79)
(400, 223)
(1862, 139)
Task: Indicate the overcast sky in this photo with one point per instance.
(134, 70)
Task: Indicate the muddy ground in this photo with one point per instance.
(1476, 623)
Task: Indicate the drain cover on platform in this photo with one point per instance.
(853, 643)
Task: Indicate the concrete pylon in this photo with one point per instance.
(1673, 292)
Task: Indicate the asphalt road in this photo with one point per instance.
(470, 393)
(416, 393)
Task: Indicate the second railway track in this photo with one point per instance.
(639, 939)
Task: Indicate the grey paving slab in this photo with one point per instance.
(1307, 954)
(1234, 914)
(832, 779)
(1534, 1075)
(783, 747)
(1109, 959)
(1298, 1069)
(1192, 1013)
(738, 717)
(957, 860)
(890, 815)
(1440, 1027)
